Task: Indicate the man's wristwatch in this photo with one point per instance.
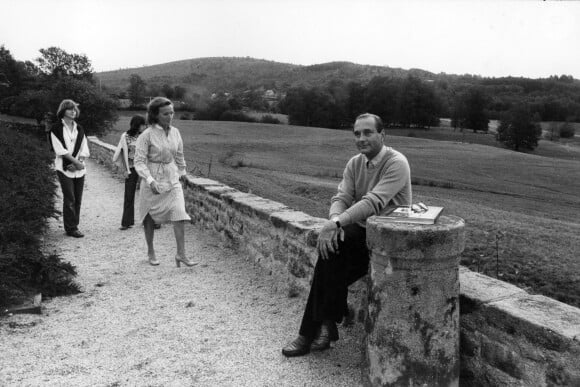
(336, 221)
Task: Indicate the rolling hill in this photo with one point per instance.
(238, 74)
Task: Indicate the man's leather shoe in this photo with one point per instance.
(326, 333)
(299, 347)
(75, 233)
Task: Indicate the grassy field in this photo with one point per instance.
(522, 209)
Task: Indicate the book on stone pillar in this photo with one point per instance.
(417, 213)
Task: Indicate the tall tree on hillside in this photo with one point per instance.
(137, 90)
(58, 63)
(381, 96)
(517, 129)
(308, 107)
(338, 104)
(470, 110)
(418, 104)
(356, 103)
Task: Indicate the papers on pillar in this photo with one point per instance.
(417, 213)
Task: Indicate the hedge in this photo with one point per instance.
(27, 192)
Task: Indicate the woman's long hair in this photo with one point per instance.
(135, 124)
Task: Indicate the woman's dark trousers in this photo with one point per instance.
(72, 195)
(128, 218)
(329, 290)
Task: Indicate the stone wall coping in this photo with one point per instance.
(217, 191)
(482, 289)
(542, 313)
(96, 140)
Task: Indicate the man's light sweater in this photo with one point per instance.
(369, 187)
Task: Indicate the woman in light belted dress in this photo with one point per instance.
(159, 161)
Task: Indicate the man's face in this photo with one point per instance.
(368, 141)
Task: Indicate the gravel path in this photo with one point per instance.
(221, 323)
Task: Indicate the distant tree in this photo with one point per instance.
(57, 62)
(554, 131)
(154, 89)
(98, 110)
(338, 106)
(517, 129)
(137, 90)
(254, 99)
(458, 113)
(179, 92)
(471, 110)
(234, 103)
(566, 130)
(13, 74)
(308, 107)
(418, 104)
(167, 90)
(356, 102)
(381, 98)
(214, 110)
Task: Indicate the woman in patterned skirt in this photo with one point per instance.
(159, 161)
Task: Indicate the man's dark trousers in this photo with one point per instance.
(329, 290)
(128, 218)
(72, 195)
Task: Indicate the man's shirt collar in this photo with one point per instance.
(377, 159)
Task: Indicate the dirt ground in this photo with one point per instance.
(221, 323)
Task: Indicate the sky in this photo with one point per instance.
(533, 39)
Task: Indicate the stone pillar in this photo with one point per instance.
(413, 323)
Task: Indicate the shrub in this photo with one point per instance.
(27, 188)
(230, 115)
(6, 104)
(185, 116)
(269, 119)
(567, 130)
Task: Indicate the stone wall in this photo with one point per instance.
(512, 338)
(508, 337)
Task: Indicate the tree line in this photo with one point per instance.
(32, 89)
(407, 102)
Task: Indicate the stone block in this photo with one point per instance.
(203, 182)
(502, 357)
(541, 320)
(410, 245)
(481, 289)
(216, 191)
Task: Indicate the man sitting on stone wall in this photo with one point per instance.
(377, 178)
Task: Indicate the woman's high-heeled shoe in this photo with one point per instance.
(186, 261)
(153, 261)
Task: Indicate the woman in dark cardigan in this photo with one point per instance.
(71, 148)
